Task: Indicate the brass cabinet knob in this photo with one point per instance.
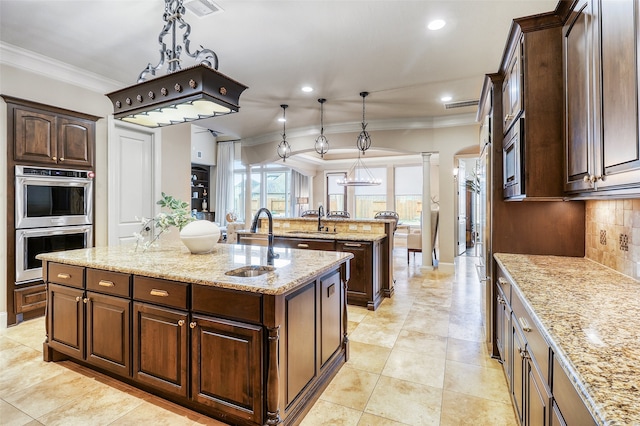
(181, 323)
(193, 324)
(54, 158)
(61, 158)
(85, 300)
(78, 298)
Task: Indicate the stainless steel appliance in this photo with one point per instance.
(53, 197)
(32, 242)
(53, 212)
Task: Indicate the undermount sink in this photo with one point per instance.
(250, 271)
(313, 232)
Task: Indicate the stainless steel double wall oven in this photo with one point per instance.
(53, 212)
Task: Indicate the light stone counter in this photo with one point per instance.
(588, 314)
(174, 262)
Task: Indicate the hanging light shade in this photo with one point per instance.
(364, 140)
(359, 174)
(284, 149)
(182, 95)
(322, 144)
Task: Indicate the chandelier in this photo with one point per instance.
(322, 144)
(284, 149)
(359, 174)
(181, 95)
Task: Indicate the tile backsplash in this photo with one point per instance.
(613, 234)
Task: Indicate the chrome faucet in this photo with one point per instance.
(320, 214)
(254, 226)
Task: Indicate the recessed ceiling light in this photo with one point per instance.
(307, 89)
(282, 120)
(436, 24)
(446, 98)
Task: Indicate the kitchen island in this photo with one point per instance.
(574, 322)
(255, 347)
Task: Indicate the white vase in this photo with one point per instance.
(200, 236)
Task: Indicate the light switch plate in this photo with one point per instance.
(353, 227)
(366, 227)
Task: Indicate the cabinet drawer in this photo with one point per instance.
(505, 285)
(538, 347)
(160, 292)
(306, 244)
(227, 303)
(115, 283)
(72, 276)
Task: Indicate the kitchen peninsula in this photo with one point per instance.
(223, 333)
(369, 240)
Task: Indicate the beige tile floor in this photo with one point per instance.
(417, 360)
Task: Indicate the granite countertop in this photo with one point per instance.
(588, 314)
(311, 235)
(173, 261)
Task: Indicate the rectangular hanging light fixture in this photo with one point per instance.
(181, 95)
(186, 95)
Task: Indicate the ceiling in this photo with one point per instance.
(340, 48)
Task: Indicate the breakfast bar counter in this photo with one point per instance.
(588, 316)
(228, 333)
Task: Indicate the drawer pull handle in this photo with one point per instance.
(181, 323)
(64, 276)
(352, 245)
(303, 245)
(524, 324)
(105, 283)
(193, 324)
(161, 293)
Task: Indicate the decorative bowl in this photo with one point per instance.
(200, 236)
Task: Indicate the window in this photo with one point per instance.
(408, 193)
(372, 199)
(336, 194)
(271, 188)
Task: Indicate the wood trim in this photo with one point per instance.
(49, 108)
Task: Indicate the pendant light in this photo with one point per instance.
(364, 140)
(359, 174)
(284, 149)
(322, 144)
(182, 95)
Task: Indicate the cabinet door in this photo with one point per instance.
(226, 369)
(35, 137)
(160, 346)
(108, 333)
(538, 398)
(360, 286)
(518, 372)
(512, 87)
(503, 332)
(66, 320)
(331, 313)
(578, 104)
(75, 141)
(620, 160)
(512, 165)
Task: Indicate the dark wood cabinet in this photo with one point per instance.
(305, 243)
(568, 408)
(51, 138)
(227, 367)
(160, 348)
(364, 286)
(531, 103)
(503, 331)
(108, 332)
(66, 320)
(601, 102)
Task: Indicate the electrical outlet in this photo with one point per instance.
(276, 225)
(286, 225)
(353, 227)
(366, 227)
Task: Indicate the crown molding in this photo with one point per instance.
(52, 68)
(374, 125)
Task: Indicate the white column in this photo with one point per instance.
(427, 249)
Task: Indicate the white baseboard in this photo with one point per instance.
(3, 320)
(446, 267)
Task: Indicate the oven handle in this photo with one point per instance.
(40, 232)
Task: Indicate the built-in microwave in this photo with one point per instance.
(513, 184)
(47, 197)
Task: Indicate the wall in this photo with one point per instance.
(607, 224)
